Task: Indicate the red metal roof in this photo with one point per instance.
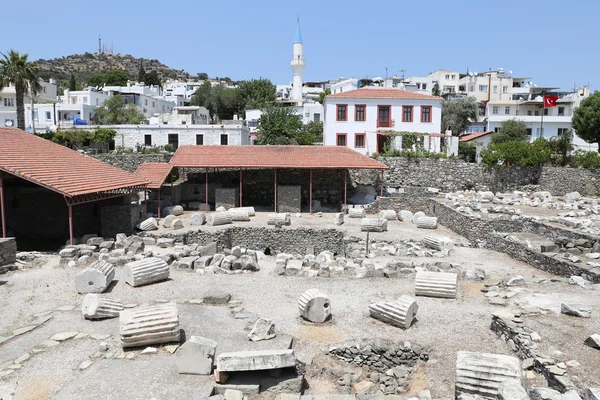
(295, 157)
(473, 136)
(382, 93)
(58, 168)
(155, 173)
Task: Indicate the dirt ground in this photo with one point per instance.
(447, 326)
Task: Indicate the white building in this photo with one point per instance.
(297, 64)
(183, 115)
(363, 119)
(530, 109)
(8, 102)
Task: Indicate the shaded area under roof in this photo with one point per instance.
(293, 157)
(155, 173)
(59, 168)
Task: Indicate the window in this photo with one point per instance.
(341, 139)
(342, 110)
(183, 122)
(148, 140)
(539, 132)
(425, 113)
(562, 131)
(407, 113)
(96, 101)
(424, 86)
(224, 139)
(483, 88)
(536, 113)
(449, 89)
(471, 88)
(359, 141)
(504, 89)
(317, 117)
(529, 112)
(561, 111)
(453, 77)
(9, 102)
(495, 89)
(384, 117)
(545, 111)
(496, 130)
(307, 115)
(174, 140)
(199, 140)
(495, 110)
(74, 100)
(146, 102)
(153, 104)
(359, 112)
(48, 115)
(418, 86)
(447, 76)
(529, 131)
(507, 110)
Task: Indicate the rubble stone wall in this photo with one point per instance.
(130, 162)
(8, 254)
(121, 219)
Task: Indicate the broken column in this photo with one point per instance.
(196, 356)
(149, 224)
(401, 313)
(436, 284)
(239, 215)
(339, 218)
(173, 210)
(388, 214)
(356, 213)
(406, 216)
(373, 225)
(145, 271)
(426, 223)
(256, 360)
(198, 218)
(482, 374)
(149, 325)
(96, 306)
(220, 218)
(250, 210)
(418, 215)
(314, 306)
(438, 244)
(95, 278)
(279, 219)
(168, 220)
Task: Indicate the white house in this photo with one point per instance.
(183, 115)
(8, 102)
(363, 119)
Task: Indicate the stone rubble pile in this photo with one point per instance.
(586, 251)
(230, 261)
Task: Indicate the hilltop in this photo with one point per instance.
(85, 65)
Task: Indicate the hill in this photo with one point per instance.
(85, 65)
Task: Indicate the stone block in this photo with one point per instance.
(373, 225)
(593, 341)
(176, 224)
(436, 284)
(250, 210)
(314, 305)
(388, 214)
(149, 224)
(219, 218)
(481, 373)
(208, 249)
(289, 199)
(405, 216)
(279, 219)
(355, 212)
(172, 210)
(256, 360)
(145, 271)
(149, 325)
(339, 218)
(438, 243)
(512, 389)
(576, 310)
(239, 215)
(401, 313)
(96, 306)
(227, 197)
(196, 356)
(168, 220)
(263, 329)
(216, 297)
(592, 394)
(426, 222)
(95, 278)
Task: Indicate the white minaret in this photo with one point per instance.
(297, 65)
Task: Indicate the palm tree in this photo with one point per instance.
(23, 74)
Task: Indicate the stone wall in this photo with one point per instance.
(289, 198)
(8, 254)
(130, 162)
(559, 181)
(227, 197)
(121, 219)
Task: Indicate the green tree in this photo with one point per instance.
(72, 83)
(257, 93)
(152, 78)
(15, 69)
(324, 94)
(229, 102)
(586, 119)
(202, 76)
(279, 125)
(311, 133)
(435, 91)
(458, 113)
(103, 135)
(73, 138)
(517, 152)
(116, 112)
(561, 147)
(511, 130)
(116, 78)
(467, 151)
(96, 80)
(202, 96)
(141, 73)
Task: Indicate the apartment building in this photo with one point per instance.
(8, 102)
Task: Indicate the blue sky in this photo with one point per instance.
(555, 42)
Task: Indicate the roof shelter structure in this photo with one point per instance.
(78, 178)
(275, 157)
(156, 173)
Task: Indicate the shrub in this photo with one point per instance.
(467, 151)
(586, 159)
(518, 153)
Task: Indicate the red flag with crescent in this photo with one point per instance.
(550, 101)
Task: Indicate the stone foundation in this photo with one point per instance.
(289, 199)
(8, 254)
(121, 219)
(227, 197)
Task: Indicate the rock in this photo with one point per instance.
(85, 365)
(401, 313)
(149, 325)
(424, 394)
(512, 389)
(426, 222)
(172, 210)
(248, 263)
(577, 280)
(544, 394)
(149, 224)
(62, 336)
(209, 249)
(576, 310)
(481, 373)
(145, 271)
(314, 306)
(256, 360)
(176, 224)
(364, 387)
(198, 218)
(220, 209)
(593, 341)
(436, 284)
(149, 350)
(264, 329)
(549, 248)
(96, 306)
(231, 394)
(168, 220)
(196, 356)
(279, 219)
(517, 280)
(68, 252)
(216, 297)
(373, 225)
(339, 219)
(406, 216)
(95, 278)
(356, 213)
(388, 214)
(592, 394)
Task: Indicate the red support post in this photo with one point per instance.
(206, 189)
(2, 215)
(345, 192)
(310, 192)
(241, 188)
(70, 223)
(275, 190)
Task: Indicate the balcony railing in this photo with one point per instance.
(385, 124)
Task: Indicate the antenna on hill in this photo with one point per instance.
(99, 45)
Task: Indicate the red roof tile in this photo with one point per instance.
(294, 157)
(155, 173)
(58, 168)
(382, 93)
(472, 136)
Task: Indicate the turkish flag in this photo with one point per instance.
(550, 101)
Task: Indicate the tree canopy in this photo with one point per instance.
(324, 94)
(72, 83)
(110, 78)
(15, 69)
(152, 78)
(586, 119)
(116, 112)
(257, 93)
(141, 73)
(279, 125)
(458, 114)
(435, 90)
(510, 130)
